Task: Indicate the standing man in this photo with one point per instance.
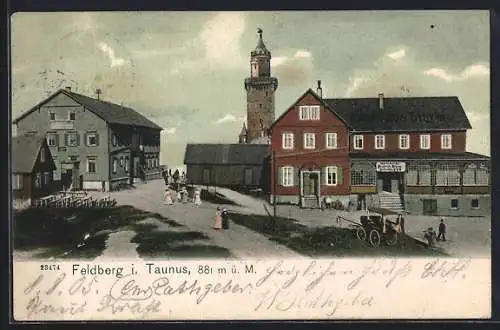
(442, 230)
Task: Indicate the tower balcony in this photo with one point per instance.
(261, 82)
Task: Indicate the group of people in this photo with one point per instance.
(175, 177)
(430, 234)
(172, 196)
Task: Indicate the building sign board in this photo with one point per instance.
(391, 166)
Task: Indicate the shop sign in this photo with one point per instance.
(391, 167)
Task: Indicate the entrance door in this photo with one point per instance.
(66, 177)
(386, 181)
(248, 177)
(310, 183)
(429, 206)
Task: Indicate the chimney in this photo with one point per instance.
(319, 90)
(98, 92)
(68, 88)
(381, 101)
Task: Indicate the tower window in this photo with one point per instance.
(267, 93)
(260, 105)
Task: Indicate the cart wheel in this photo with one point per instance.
(374, 238)
(361, 233)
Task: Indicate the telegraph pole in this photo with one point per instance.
(274, 171)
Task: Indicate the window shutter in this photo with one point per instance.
(340, 175)
(96, 139)
(86, 139)
(66, 139)
(325, 175)
(56, 138)
(280, 176)
(77, 139)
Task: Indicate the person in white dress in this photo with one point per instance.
(197, 198)
(168, 197)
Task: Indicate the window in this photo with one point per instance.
(287, 140)
(309, 112)
(52, 140)
(72, 139)
(91, 139)
(331, 140)
(331, 175)
(418, 175)
(127, 164)
(476, 175)
(71, 116)
(17, 181)
(447, 175)
(114, 140)
(309, 140)
(287, 176)
(425, 141)
(362, 175)
(379, 141)
(46, 178)
(404, 141)
(38, 180)
(42, 155)
(474, 203)
(445, 141)
(454, 204)
(358, 142)
(115, 165)
(52, 116)
(91, 165)
(121, 161)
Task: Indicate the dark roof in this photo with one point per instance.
(401, 113)
(417, 155)
(226, 154)
(25, 150)
(110, 112)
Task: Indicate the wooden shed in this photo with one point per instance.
(242, 166)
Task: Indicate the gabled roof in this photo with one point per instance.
(226, 154)
(25, 150)
(110, 112)
(401, 113)
(309, 91)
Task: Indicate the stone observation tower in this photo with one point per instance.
(260, 87)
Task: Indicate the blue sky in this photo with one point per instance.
(185, 70)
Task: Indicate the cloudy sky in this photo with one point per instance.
(185, 70)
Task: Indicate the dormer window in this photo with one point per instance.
(309, 112)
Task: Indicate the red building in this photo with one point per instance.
(401, 153)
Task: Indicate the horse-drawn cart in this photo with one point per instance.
(375, 227)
